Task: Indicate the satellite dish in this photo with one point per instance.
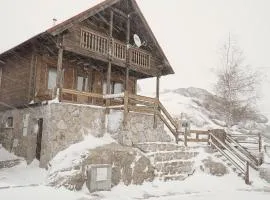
(137, 40)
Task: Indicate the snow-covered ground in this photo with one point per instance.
(28, 182)
(198, 186)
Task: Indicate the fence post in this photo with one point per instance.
(260, 143)
(185, 136)
(208, 138)
(247, 173)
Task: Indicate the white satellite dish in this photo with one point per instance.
(137, 40)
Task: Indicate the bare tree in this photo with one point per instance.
(236, 85)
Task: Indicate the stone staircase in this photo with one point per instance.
(172, 161)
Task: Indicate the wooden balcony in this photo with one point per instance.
(98, 43)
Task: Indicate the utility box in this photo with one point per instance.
(99, 177)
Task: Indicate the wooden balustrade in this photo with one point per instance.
(140, 58)
(98, 43)
(94, 42)
(119, 50)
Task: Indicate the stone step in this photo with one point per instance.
(170, 168)
(172, 155)
(162, 146)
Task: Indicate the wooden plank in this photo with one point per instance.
(167, 114)
(120, 12)
(199, 132)
(141, 109)
(197, 140)
(145, 103)
(86, 94)
(167, 124)
(142, 98)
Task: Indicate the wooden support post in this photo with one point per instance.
(157, 87)
(59, 78)
(185, 137)
(127, 54)
(108, 86)
(109, 70)
(125, 109)
(247, 173)
(208, 138)
(127, 79)
(260, 143)
(156, 105)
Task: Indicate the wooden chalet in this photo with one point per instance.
(84, 58)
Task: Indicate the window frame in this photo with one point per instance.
(48, 77)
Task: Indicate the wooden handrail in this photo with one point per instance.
(244, 151)
(166, 113)
(244, 169)
(142, 98)
(86, 94)
(173, 131)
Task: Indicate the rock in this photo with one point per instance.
(214, 168)
(129, 166)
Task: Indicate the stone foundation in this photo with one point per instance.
(139, 129)
(63, 125)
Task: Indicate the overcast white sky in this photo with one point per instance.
(189, 31)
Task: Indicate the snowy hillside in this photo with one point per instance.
(199, 107)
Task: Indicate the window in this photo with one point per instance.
(9, 122)
(116, 88)
(25, 124)
(52, 74)
(82, 83)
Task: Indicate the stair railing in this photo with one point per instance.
(239, 162)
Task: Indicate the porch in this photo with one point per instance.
(128, 102)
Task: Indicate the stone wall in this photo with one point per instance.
(67, 125)
(139, 128)
(21, 137)
(63, 125)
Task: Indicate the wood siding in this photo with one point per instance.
(15, 82)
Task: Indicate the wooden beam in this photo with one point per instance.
(127, 79)
(119, 12)
(111, 24)
(59, 78)
(109, 70)
(127, 57)
(157, 86)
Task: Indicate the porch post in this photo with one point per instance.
(156, 104)
(127, 54)
(59, 78)
(157, 86)
(109, 70)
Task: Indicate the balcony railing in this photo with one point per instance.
(98, 43)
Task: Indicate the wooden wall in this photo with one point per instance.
(95, 79)
(15, 81)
